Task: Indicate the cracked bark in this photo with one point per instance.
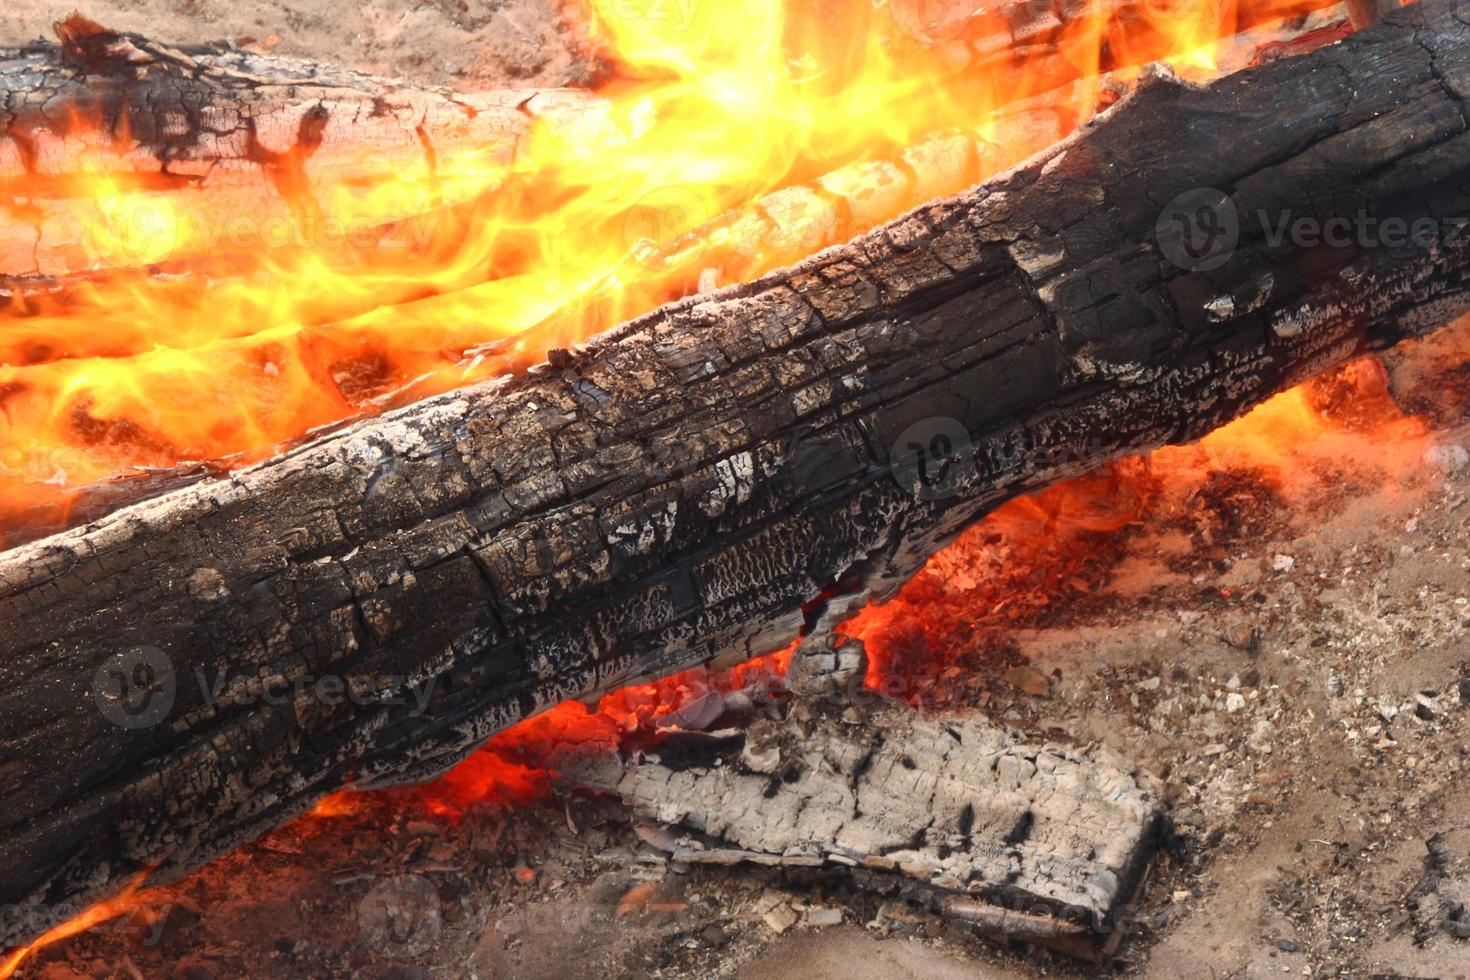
(679, 490)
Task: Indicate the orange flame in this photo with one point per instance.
(127, 900)
(1013, 565)
(1024, 555)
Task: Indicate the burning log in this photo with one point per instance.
(257, 134)
(304, 298)
(254, 134)
(367, 608)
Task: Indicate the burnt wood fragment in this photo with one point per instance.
(254, 137)
(1042, 843)
(1037, 842)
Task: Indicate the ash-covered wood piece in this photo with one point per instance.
(682, 490)
(1039, 842)
(1015, 838)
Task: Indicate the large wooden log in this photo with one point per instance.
(779, 228)
(682, 489)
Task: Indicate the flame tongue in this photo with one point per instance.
(830, 117)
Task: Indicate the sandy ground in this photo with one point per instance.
(1296, 674)
(459, 43)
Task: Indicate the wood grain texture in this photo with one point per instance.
(973, 815)
(1041, 842)
(680, 490)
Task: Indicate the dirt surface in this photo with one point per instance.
(1295, 667)
(468, 44)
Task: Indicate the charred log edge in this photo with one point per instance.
(94, 501)
(132, 803)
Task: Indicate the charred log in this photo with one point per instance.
(680, 490)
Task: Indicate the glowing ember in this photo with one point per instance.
(933, 643)
(591, 224)
(125, 902)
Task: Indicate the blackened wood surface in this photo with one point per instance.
(678, 491)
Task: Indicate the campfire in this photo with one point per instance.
(688, 455)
